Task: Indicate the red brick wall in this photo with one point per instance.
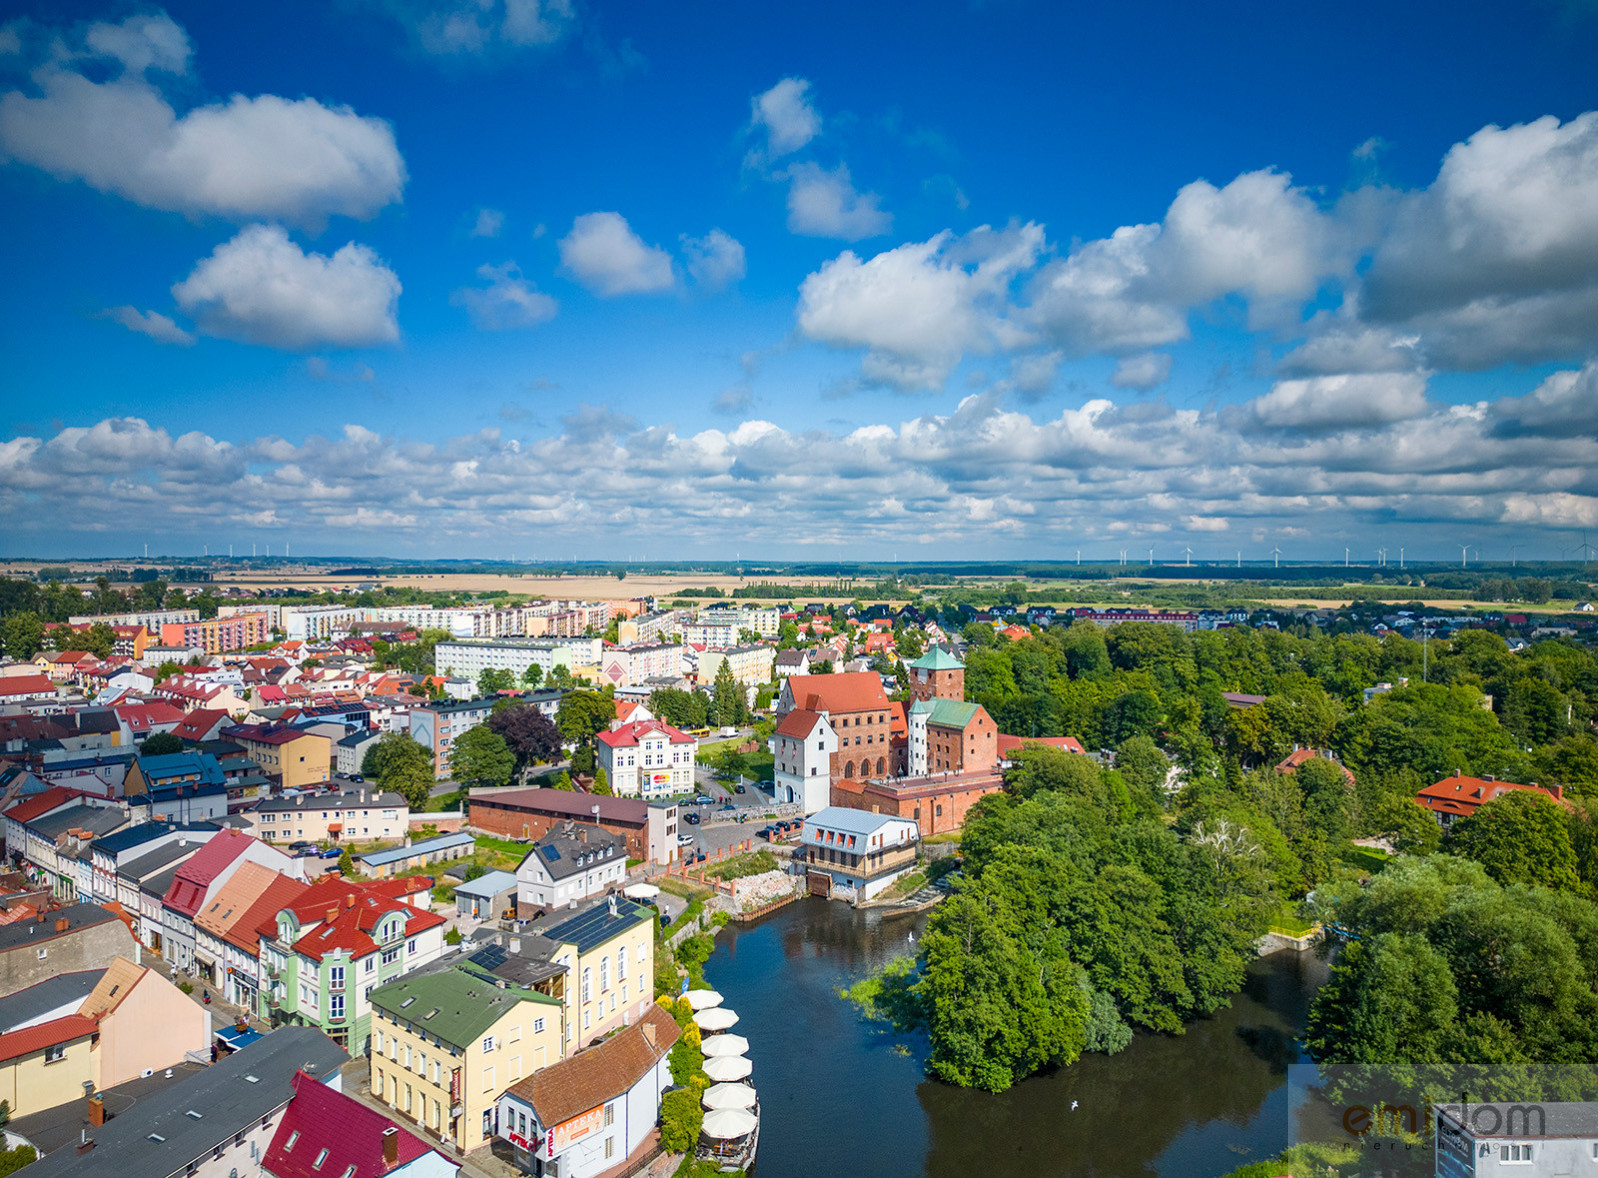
(849, 725)
(516, 823)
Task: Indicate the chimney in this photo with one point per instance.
(332, 915)
(516, 945)
(1488, 777)
(96, 1111)
(61, 924)
(390, 1147)
(349, 900)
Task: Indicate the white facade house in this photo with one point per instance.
(571, 864)
(590, 1112)
(862, 853)
(801, 750)
(647, 759)
(469, 659)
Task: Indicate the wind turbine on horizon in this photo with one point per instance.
(1189, 552)
(1277, 553)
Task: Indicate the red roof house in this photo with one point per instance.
(1008, 744)
(192, 880)
(1460, 796)
(325, 1134)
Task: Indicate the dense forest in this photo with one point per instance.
(1098, 901)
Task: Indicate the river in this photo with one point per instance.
(840, 1096)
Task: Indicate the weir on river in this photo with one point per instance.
(840, 1095)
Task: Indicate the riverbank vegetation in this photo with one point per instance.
(1096, 902)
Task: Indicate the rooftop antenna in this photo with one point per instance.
(1277, 553)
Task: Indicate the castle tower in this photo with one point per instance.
(937, 675)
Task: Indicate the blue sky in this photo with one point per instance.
(478, 276)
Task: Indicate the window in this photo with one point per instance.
(488, 1122)
(586, 983)
(604, 974)
(538, 1026)
(335, 1006)
(1514, 1153)
(390, 956)
(321, 1157)
(621, 963)
(610, 1142)
(515, 1035)
(411, 947)
(55, 1053)
(610, 1114)
(335, 977)
(43, 953)
(488, 1044)
(488, 1079)
(371, 964)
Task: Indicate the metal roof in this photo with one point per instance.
(452, 1005)
(848, 821)
(489, 884)
(51, 994)
(231, 1096)
(443, 842)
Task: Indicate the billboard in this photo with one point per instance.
(580, 1126)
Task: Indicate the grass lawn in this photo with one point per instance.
(1366, 859)
(908, 886)
(749, 863)
(948, 836)
(1287, 920)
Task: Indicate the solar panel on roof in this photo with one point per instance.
(552, 853)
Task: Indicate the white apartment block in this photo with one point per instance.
(470, 658)
(306, 622)
(151, 619)
(750, 665)
(636, 664)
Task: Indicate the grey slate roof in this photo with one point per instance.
(564, 853)
(99, 819)
(344, 800)
(77, 916)
(230, 1096)
(161, 858)
(50, 994)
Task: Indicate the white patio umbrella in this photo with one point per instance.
(727, 1123)
(640, 891)
(729, 1096)
(718, 1045)
(726, 1068)
(703, 999)
(717, 1018)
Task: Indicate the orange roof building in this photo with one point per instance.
(1460, 796)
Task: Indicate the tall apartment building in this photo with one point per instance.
(436, 726)
(655, 626)
(322, 621)
(642, 662)
(469, 659)
(218, 635)
(151, 619)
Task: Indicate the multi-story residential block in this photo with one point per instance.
(351, 815)
(438, 725)
(647, 759)
(350, 751)
(446, 1045)
(307, 622)
(292, 757)
(712, 633)
(749, 664)
(272, 610)
(152, 619)
(337, 943)
(219, 634)
(608, 951)
(571, 865)
(470, 658)
(653, 627)
(641, 662)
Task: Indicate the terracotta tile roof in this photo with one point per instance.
(30, 808)
(37, 1038)
(351, 930)
(1462, 796)
(1008, 743)
(320, 1121)
(279, 894)
(798, 723)
(628, 735)
(113, 988)
(197, 725)
(1298, 756)
(189, 885)
(590, 1078)
(142, 717)
(233, 899)
(26, 685)
(857, 691)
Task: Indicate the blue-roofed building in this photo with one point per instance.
(856, 854)
(487, 897)
(381, 864)
(169, 769)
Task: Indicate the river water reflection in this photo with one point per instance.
(838, 1096)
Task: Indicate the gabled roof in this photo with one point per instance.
(50, 1034)
(200, 723)
(594, 1077)
(574, 849)
(30, 808)
(1461, 795)
(628, 735)
(115, 985)
(1008, 744)
(189, 885)
(1297, 757)
(164, 768)
(26, 685)
(143, 717)
(945, 713)
(234, 899)
(280, 893)
(451, 1004)
(854, 691)
(799, 723)
(325, 1134)
(64, 990)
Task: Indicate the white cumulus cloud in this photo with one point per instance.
(285, 159)
(508, 301)
(604, 254)
(475, 29)
(715, 260)
(1145, 371)
(1343, 402)
(261, 288)
(824, 203)
(786, 116)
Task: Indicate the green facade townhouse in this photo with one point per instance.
(330, 948)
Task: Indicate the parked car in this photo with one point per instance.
(685, 839)
(728, 808)
(691, 819)
(332, 853)
(702, 800)
(767, 832)
(742, 789)
(301, 847)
